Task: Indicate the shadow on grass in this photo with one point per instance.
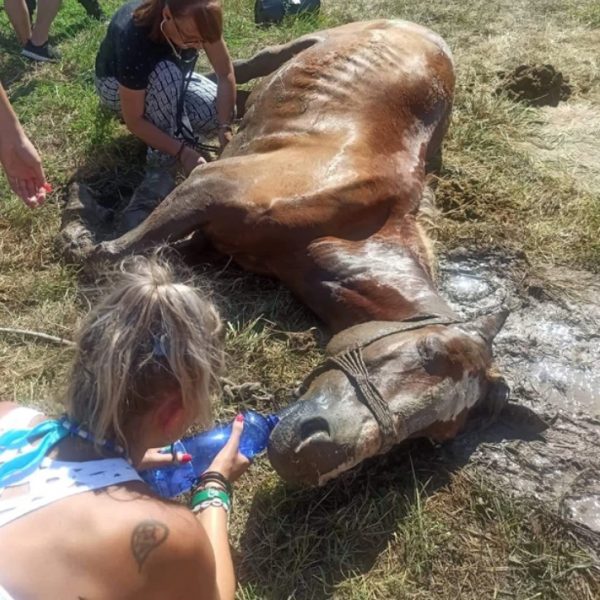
(13, 65)
(111, 166)
(302, 544)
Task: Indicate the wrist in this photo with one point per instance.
(11, 133)
(208, 498)
(216, 478)
(180, 151)
(224, 125)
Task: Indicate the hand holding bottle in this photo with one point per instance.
(227, 449)
(230, 462)
(155, 458)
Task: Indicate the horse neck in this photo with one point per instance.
(378, 279)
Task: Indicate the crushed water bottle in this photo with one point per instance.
(171, 481)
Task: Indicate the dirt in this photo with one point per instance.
(536, 85)
(547, 443)
(567, 143)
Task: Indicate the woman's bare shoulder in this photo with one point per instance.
(168, 551)
(6, 407)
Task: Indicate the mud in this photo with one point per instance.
(547, 442)
(536, 85)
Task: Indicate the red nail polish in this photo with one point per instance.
(48, 187)
(186, 458)
(240, 417)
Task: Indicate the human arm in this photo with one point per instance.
(230, 463)
(210, 545)
(19, 158)
(132, 108)
(219, 58)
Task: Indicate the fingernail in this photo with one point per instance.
(48, 187)
(240, 417)
(186, 458)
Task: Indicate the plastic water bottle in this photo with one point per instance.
(171, 481)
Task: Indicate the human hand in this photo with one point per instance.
(230, 462)
(23, 168)
(155, 458)
(225, 136)
(190, 159)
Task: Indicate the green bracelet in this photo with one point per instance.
(210, 497)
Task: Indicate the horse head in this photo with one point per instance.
(384, 383)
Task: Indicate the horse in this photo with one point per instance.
(323, 187)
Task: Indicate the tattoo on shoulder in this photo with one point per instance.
(147, 536)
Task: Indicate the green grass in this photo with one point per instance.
(387, 530)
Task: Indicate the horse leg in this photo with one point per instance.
(266, 61)
(185, 210)
(271, 58)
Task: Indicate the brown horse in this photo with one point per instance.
(321, 188)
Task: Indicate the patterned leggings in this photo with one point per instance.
(162, 94)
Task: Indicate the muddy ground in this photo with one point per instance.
(547, 443)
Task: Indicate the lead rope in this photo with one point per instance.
(353, 365)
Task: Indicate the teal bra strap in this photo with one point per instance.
(21, 465)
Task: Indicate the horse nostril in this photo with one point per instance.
(312, 426)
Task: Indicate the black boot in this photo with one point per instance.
(157, 184)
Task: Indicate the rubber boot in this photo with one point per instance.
(157, 184)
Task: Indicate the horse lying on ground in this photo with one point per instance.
(321, 188)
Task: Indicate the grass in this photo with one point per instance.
(389, 529)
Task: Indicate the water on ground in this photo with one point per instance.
(547, 442)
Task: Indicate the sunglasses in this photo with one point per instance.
(184, 39)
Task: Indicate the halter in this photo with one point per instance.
(352, 364)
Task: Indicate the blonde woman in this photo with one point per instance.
(77, 518)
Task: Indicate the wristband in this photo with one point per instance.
(210, 497)
(224, 126)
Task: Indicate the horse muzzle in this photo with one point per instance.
(313, 442)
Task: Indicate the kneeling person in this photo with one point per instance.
(145, 72)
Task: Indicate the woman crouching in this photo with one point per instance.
(145, 72)
(76, 516)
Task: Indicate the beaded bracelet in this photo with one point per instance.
(210, 497)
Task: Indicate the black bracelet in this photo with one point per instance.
(210, 484)
(218, 478)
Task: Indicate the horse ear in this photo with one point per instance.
(488, 326)
(433, 353)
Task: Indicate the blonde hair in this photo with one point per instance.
(152, 334)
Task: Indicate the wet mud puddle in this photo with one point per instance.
(547, 442)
